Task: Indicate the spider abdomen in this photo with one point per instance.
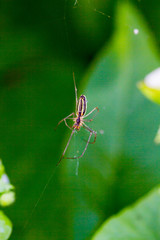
(82, 106)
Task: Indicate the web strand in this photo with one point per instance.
(40, 197)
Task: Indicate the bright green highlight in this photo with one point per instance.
(5, 227)
(7, 197)
(150, 87)
(150, 93)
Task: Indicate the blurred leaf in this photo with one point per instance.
(140, 221)
(157, 137)
(2, 169)
(123, 164)
(152, 94)
(7, 196)
(5, 227)
(150, 87)
(7, 199)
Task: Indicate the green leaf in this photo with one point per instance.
(5, 227)
(139, 222)
(152, 94)
(150, 87)
(2, 169)
(7, 196)
(157, 137)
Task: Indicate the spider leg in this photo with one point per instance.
(66, 147)
(64, 119)
(89, 120)
(67, 124)
(83, 150)
(90, 130)
(75, 90)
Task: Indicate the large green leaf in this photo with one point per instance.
(139, 222)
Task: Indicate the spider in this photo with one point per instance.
(79, 121)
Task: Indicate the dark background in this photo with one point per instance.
(41, 44)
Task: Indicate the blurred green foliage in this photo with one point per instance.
(7, 197)
(141, 221)
(5, 227)
(41, 44)
(150, 88)
(151, 93)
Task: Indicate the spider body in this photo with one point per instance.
(79, 121)
(81, 110)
